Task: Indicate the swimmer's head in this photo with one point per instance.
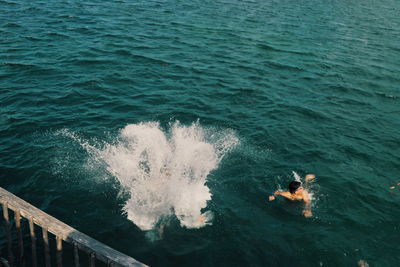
(293, 186)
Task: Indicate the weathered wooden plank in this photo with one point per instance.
(7, 226)
(92, 259)
(67, 233)
(17, 216)
(46, 247)
(76, 255)
(59, 251)
(33, 240)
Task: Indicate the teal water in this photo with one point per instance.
(267, 88)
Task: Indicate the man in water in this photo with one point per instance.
(297, 192)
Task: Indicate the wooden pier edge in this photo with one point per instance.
(70, 235)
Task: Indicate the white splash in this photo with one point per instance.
(296, 177)
(165, 173)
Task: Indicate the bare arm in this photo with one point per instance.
(307, 209)
(281, 193)
(309, 177)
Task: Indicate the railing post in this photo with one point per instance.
(8, 233)
(92, 259)
(59, 251)
(19, 234)
(33, 239)
(46, 246)
(76, 255)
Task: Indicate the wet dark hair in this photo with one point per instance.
(293, 186)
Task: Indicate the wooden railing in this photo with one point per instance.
(60, 230)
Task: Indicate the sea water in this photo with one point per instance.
(161, 127)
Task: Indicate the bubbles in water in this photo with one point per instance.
(164, 173)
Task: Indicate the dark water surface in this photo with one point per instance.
(306, 86)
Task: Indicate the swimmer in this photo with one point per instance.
(202, 219)
(165, 170)
(297, 192)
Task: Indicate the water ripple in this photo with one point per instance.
(313, 83)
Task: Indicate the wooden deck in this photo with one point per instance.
(62, 231)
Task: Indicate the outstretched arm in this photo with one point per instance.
(276, 193)
(272, 197)
(281, 193)
(307, 209)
